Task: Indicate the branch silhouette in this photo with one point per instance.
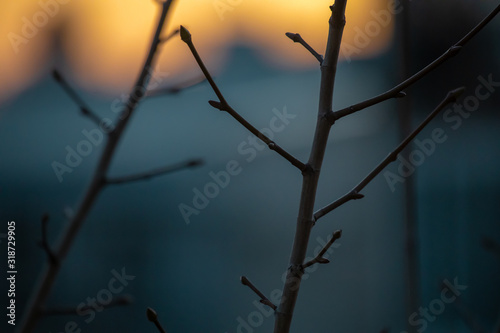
(297, 38)
(319, 258)
(223, 105)
(153, 317)
(307, 218)
(397, 91)
(354, 193)
(153, 173)
(263, 298)
(50, 272)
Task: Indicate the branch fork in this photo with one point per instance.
(223, 105)
(354, 194)
(44, 243)
(50, 272)
(319, 258)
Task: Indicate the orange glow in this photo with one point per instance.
(105, 42)
(110, 49)
(22, 56)
(310, 19)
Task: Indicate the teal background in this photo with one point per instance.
(189, 273)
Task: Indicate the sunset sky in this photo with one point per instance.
(188, 268)
(103, 43)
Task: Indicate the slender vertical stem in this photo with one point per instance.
(48, 277)
(305, 223)
(405, 128)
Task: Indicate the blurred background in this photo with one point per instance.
(187, 267)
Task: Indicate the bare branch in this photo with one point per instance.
(84, 108)
(168, 37)
(175, 89)
(223, 105)
(263, 298)
(319, 258)
(44, 243)
(397, 90)
(154, 173)
(153, 317)
(354, 193)
(298, 39)
(310, 177)
(50, 272)
(71, 310)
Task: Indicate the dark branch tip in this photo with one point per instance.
(195, 163)
(185, 35)
(217, 105)
(269, 304)
(322, 261)
(244, 280)
(151, 314)
(56, 75)
(454, 94)
(337, 234)
(294, 37)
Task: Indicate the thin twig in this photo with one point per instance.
(298, 39)
(223, 105)
(263, 298)
(354, 193)
(404, 110)
(46, 281)
(153, 317)
(154, 173)
(175, 89)
(319, 258)
(84, 108)
(71, 310)
(44, 243)
(169, 36)
(393, 93)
